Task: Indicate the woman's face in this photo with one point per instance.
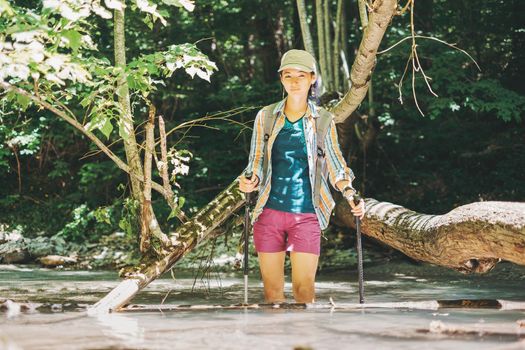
(296, 82)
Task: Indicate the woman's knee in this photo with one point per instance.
(304, 291)
(273, 293)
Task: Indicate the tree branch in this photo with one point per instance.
(163, 169)
(72, 121)
(364, 63)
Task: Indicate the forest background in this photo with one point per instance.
(65, 197)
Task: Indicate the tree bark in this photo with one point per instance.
(329, 78)
(344, 48)
(320, 41)
(364, 63)
(363, 13)
(337, 42)
(126, 119)
(469, 238)
(305, 29)
(372, 128)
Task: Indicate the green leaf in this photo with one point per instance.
(148, 22)
(182, 200)
(102, 215)
(74, 38)
(179, 202)
(125, 226)
(172, 3)
(85, 101)
(174, 212)
(107, 128)
(23, 101)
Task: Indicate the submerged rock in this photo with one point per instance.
(14, 309)
(57, 260)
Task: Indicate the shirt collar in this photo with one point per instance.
(312, 108)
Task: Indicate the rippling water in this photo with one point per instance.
(67, 293)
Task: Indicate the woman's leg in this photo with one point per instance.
(270, 242)
(272, 271)
(304, 267)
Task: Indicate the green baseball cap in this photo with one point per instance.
(298, 59)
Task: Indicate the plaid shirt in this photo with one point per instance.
(337, 168)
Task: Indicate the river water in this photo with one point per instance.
(62, 324)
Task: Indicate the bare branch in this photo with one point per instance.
(435, 39)
(146, 200)
(163, 169)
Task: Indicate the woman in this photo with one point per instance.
(288, 215)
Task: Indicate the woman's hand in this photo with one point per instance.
(358, 209)
(350, 194)
(246, 185)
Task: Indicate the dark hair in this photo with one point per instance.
(314, 94)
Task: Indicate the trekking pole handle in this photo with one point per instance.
(357, 198)
(248, 176)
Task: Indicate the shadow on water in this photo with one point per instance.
(62, 325)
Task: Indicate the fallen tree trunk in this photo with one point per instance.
(469, 238)
(184, 239)
(421, 305)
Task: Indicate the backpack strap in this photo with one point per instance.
(269, 119)
(322, 126)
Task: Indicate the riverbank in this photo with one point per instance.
(117, 250)
(59, 322)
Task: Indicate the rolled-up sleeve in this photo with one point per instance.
(337, 168)
(255, 160)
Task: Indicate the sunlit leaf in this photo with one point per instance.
(74, 38)
(23, 101)
(107, 128)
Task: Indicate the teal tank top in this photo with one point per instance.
(291, 190)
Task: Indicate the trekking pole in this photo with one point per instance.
(246, 239)
(357, 198)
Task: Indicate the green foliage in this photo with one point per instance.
(77, 229)
(140, 72)
(484, 96)
(51, 51)
(129, 217)
(21, 136)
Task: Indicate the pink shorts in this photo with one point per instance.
(278, 231)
